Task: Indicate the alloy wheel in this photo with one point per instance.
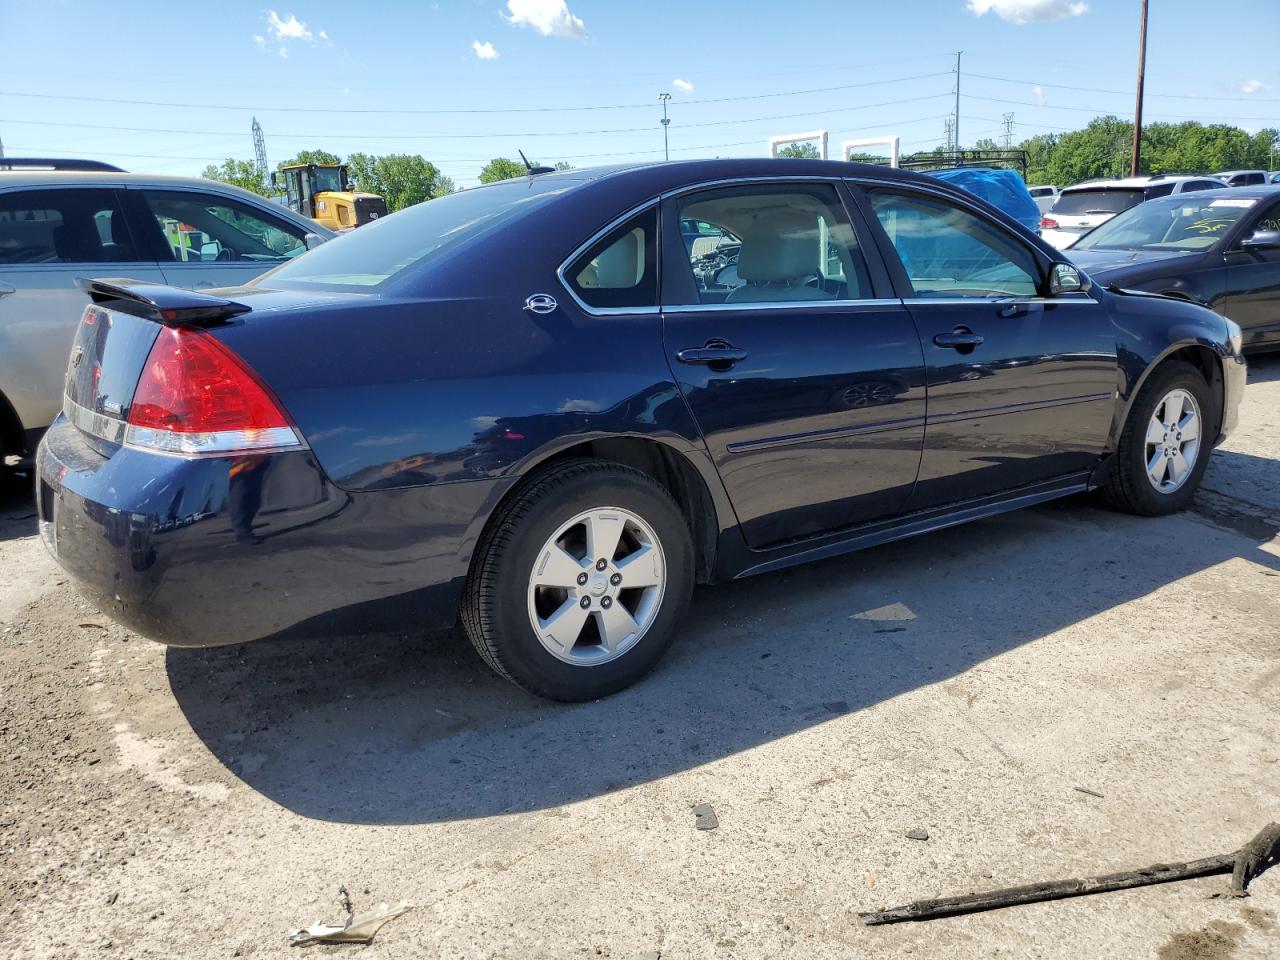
(596, 586)
(1173, 440)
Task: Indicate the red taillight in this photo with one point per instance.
(196, 396)
(1048, 223)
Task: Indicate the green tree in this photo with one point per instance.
(401, 179)
(563, 165)
(500, 168)
(799, 151)
(240, 173)
(311, 156)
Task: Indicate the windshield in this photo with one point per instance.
(326, 178)
(372, 254)
(1184, 223)
(1102, 200)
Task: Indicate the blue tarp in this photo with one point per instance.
(1003, 189)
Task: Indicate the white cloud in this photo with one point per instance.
(1028, 11)
(684, 86)
(484, 50)
(289, 29)
(551, 18)
(1041, 97)
(1251, 86)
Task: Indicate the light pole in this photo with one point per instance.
(666, 148)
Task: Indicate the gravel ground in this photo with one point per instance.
(199, 804)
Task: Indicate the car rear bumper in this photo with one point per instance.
(212, 551)
(1062, 239)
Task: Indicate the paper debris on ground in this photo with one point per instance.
(892, 611)
(358, 929)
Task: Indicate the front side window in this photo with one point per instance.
(64, 226)
(621, 268)
(201, 227)
(949, 252)
(766, 244)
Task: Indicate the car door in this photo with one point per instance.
(804, 375)
(1022, 387)
(1252, 296)
(206, 239)
(49, 237)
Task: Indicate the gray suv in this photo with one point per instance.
(62, 220)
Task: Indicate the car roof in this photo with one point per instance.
(1134, 183)
(1232, 173)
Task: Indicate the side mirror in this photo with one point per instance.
(1262, 240)
(1066, 279)
(313, 240)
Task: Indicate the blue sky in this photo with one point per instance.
(461, 81)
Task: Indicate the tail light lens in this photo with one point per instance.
(195, 396)
(1048, 223)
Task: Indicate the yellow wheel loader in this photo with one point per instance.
(322, 192)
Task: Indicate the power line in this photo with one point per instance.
(1124, 93)
(468, 111)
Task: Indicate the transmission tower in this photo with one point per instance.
(1008, 130)
(260, 152)
(949, 133)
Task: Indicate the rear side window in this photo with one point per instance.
(200, 227)
(1112, 200)
(949, 252)
(1163, 190)
(64, 226)
(621, 268)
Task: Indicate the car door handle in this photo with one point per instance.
(959, 339)
(715, 353)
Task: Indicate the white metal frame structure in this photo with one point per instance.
(776, 143)
(848, 147)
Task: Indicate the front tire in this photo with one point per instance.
(1164, 448)
(578, 585)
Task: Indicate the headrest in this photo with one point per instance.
(618, 267)
(780, 247)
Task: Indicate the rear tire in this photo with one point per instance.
(548, 614)
(1164, 448)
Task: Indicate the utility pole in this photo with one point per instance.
(1137, 110)
(1008, 131)
(955, 128)
(666, 149)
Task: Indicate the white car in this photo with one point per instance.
(1079, 209)
(1243, 178)
(1044, 196)
(61, 220)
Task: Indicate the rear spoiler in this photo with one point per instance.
(171, 306)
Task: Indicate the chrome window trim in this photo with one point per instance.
(998, 300)
(811, 305)
(596, 238)
(832, 181)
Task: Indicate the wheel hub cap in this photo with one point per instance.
(596, 586)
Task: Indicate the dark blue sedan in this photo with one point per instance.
(523, 408)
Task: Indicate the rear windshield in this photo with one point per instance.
(371, 255)
(1108, 200)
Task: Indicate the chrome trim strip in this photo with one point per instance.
(583, 247)
(838, 305)
(220, 443)
(835, 433)
(830, 181)
(997, 301)
(936, 418)
(111, 429)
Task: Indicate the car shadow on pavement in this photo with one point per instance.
(17, 507)
(392, 729)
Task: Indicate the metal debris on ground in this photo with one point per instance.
(706, 817)
(1244, 865)
(1092, 793)
(359, 927)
